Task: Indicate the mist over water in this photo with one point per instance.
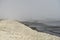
(30, 9)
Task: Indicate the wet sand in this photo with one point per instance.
(41, 27)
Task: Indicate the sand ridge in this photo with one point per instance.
(13, 30)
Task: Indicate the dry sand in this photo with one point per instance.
(13, 30)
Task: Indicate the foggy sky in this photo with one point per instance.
(30, 9)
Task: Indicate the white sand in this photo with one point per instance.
(13, 30)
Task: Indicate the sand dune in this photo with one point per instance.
(13, 30)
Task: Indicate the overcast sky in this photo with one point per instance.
(30, 9)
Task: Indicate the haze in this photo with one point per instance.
(30, 9)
